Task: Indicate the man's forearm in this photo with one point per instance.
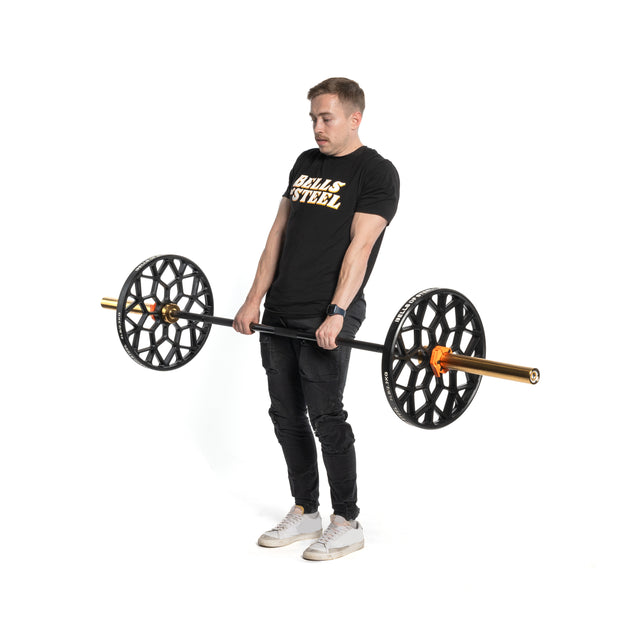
(249, 312)
(365, 231)
(265, 274)
(268, 263)
(352, 272)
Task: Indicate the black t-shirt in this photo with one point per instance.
(325, 193)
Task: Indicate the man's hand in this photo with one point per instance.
(328, 332)
(247, 314)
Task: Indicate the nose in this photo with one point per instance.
(317, 127)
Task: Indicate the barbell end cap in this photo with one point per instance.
(534, 376)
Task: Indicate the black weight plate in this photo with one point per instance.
(156, 282)
(432, 317)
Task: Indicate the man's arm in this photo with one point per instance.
(365, 230)
(249, 312)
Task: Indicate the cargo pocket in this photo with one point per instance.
(266, 353)
(318, 364)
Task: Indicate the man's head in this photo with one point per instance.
(336, 111)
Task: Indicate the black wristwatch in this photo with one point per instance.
(335, 310)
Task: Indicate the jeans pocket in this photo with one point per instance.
(267, 355)
(318, 364)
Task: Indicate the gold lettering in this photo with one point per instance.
(334, 204)
(316, 191)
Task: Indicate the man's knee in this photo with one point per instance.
(289, 426)
(334, 432)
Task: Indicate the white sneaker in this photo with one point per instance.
(340, 538)
(296, 525)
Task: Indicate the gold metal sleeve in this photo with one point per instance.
(109, 303)
(480, 366)
(112, 303)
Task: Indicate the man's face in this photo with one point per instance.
(335, 130)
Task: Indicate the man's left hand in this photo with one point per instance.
(328, 332)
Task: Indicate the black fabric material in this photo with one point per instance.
(306, 385)
(325, 193)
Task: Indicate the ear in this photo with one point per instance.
(355, 119)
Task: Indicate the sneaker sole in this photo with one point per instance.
(269, 542)
(311, 554)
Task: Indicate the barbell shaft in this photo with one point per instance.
(112, 303)
(450, 361)
(277, 331)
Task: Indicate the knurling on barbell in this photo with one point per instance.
(433, 357)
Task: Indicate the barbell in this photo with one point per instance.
(433, 357)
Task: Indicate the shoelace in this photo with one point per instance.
(290, 519)
(331, 532)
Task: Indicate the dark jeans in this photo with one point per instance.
(306, 384)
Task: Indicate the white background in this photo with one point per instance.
(131, 500)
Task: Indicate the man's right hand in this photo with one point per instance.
(247, 314)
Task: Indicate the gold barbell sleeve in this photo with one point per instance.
(112, 303)
(444, 360)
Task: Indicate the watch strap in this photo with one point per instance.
(335, 310)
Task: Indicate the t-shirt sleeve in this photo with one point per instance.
(381, 190)
(293, 175)
(287, 192)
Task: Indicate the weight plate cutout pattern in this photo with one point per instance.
(432, 317)
(158, 281)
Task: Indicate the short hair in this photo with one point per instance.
(348, 91)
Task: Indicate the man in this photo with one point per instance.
(316, 261)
